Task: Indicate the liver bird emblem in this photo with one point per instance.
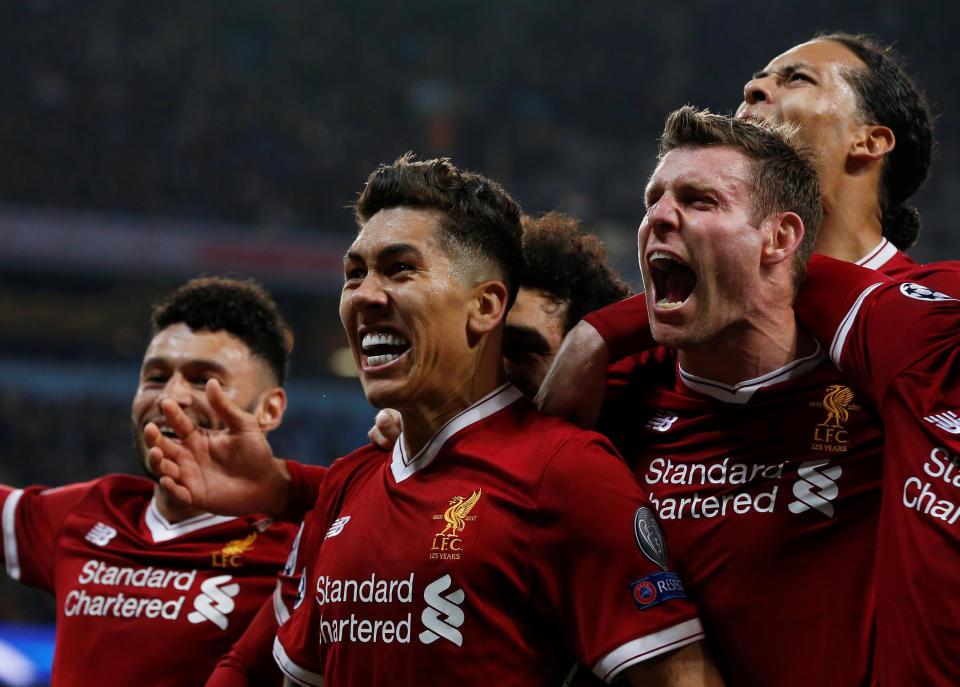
(238, 546)
(457, 513)
(836, 401)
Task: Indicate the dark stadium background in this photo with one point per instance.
(144, 143)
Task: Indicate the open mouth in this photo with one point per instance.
(673, 280)
(381, 348)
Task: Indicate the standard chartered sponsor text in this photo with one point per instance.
(666, 471)
(370, 590)
(120, 605)
(925, 495)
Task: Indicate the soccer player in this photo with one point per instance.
(898, 344)
(870, 129)
(149, 591)
(492, 537)
(763, 464)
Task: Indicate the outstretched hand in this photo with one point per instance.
(230, 470)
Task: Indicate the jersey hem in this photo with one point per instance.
(644, 648)
(292, 670)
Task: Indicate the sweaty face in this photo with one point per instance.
(532, 337)
(806, 86)
(699, 253)
(177, 364)
(405, 312)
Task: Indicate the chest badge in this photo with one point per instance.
(447, 543)
(231, 555)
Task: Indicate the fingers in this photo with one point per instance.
(177, 420)
(229, 412)
(386, 429)
(179, 492)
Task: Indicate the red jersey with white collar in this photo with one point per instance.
(768, 493)
(140, 601)
(900, 344)
(509, 545)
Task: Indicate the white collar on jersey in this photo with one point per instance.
(162, 529)
(742, 392)
(879, 256)
(403, 466)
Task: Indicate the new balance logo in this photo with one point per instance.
(215, 601)
(100, 534)
(816, 488)
(449, 606)
(337, 526)
(947, 421)
(661, 421)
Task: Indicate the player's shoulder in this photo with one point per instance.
(534, 433)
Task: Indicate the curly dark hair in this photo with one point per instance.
(480, 217)
(570, 265)
(887, 95)
(241, 307)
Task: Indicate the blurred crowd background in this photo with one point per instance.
(145, 143)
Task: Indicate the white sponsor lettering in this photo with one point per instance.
(697, 506)
(353, 630)
(449, 606)
(100, 534)
(215, 601)
(369, 590)
(98, 572)
(665, 471)
(78, 602)
(921, 495)
(816, 487)
(947, 421)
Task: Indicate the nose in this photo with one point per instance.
(370, 294)
(662, 215)
(177, 388)
(757, 90)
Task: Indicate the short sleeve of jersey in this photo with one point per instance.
(876, 328)
(625, 326)
(31, 519)
(599, 560)
(305, 483)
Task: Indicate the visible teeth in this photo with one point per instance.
(662, 255)
(167, 432)
(382, 339)
(669, 304)
(382, 359)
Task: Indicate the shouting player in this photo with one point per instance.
(764, 466)
(870, 129)
(492, 540)
(149, 591)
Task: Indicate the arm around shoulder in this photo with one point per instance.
(575, 386)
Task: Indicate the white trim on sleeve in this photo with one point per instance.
(9, 519)
(292, 670)
(846, 324)
(647, 647)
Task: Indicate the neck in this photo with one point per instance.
(172, 510)
(851, 225)
(748, 350)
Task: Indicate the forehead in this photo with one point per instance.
(178, 344)
(534, 308)
(718, 168)
(394, 226)
(825, 56)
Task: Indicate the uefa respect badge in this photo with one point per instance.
(654, 589)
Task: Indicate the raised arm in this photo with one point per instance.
(576, 383)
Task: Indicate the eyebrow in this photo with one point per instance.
(784, 72)
(390, 251)
(203, 363)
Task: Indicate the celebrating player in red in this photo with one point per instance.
(493, 545)
(148, 591)
(899, 343)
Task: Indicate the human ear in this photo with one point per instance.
(488, 307)
(270, 411)
(785, 235)
(873, 142)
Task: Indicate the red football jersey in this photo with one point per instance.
(140, 601)
(510, 544)
(900, 344)
(768, 493)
